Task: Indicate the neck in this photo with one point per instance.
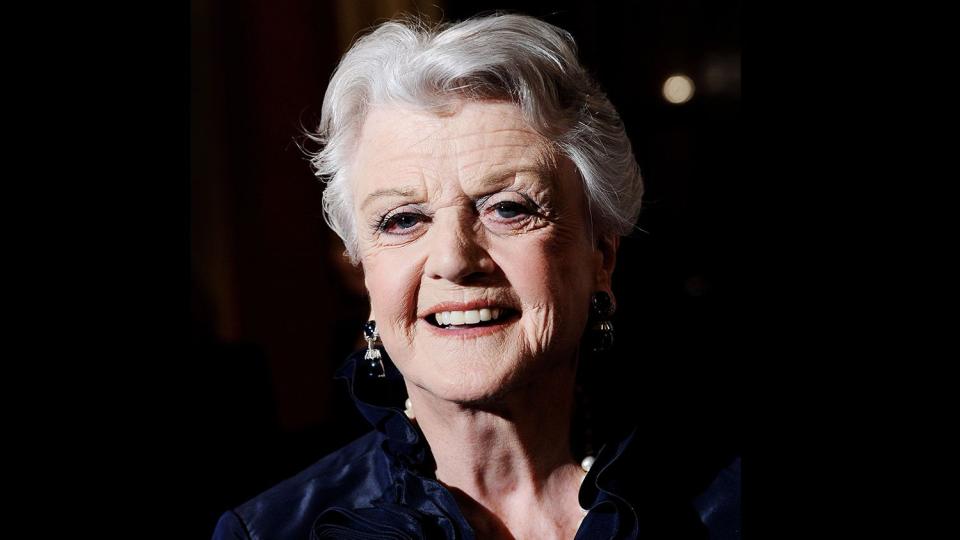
(510, 456)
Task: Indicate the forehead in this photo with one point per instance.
(405, 144)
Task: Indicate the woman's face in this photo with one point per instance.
(471, 216)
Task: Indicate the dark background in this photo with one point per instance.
(275, 309)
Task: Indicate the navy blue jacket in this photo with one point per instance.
(382, 486)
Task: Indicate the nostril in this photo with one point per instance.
(456, 247)
(474, 277)
(460, 264)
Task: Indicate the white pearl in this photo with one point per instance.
(587, 463)
(408, 408)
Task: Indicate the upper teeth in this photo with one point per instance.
(467, 317)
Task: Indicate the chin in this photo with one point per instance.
(475, 383)
(465, 385)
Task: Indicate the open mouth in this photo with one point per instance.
(474, 318)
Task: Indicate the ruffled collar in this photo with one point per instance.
(380, 401)
(418, 506)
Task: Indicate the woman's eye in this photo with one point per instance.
(400, 223)
(509, 209)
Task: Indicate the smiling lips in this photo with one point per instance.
(473, 316)
(463, 316)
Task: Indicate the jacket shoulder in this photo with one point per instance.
(351, 476)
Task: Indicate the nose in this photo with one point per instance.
(456, 254)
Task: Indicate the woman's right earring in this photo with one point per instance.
(601, 331)
(374, 360)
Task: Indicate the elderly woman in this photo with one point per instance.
(482, 180)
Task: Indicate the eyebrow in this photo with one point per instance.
(406, 191)
(409, 191)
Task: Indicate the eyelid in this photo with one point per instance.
(380, 222)
(482, 201)
(411, 208)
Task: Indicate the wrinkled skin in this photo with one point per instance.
(473, 205)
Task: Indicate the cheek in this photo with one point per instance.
(392, 281)
(551, 274)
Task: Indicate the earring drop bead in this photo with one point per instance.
(601, 330)
(373, 358)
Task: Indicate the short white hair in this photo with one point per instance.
(503, 57)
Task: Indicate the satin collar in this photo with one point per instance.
(380, 401)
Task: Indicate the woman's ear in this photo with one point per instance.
(607, 245)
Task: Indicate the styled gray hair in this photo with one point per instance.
(501, 57)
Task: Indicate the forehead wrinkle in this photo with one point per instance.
(481, 132)
(507, 179)
(409, 176)
(434, 152)
(410, 156)
(394, 143)
(501, 153)
(540, 164)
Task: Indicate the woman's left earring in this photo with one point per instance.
(602, 309)
(374, 360)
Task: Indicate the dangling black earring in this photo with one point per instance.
(601, 308)
(374, 361)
